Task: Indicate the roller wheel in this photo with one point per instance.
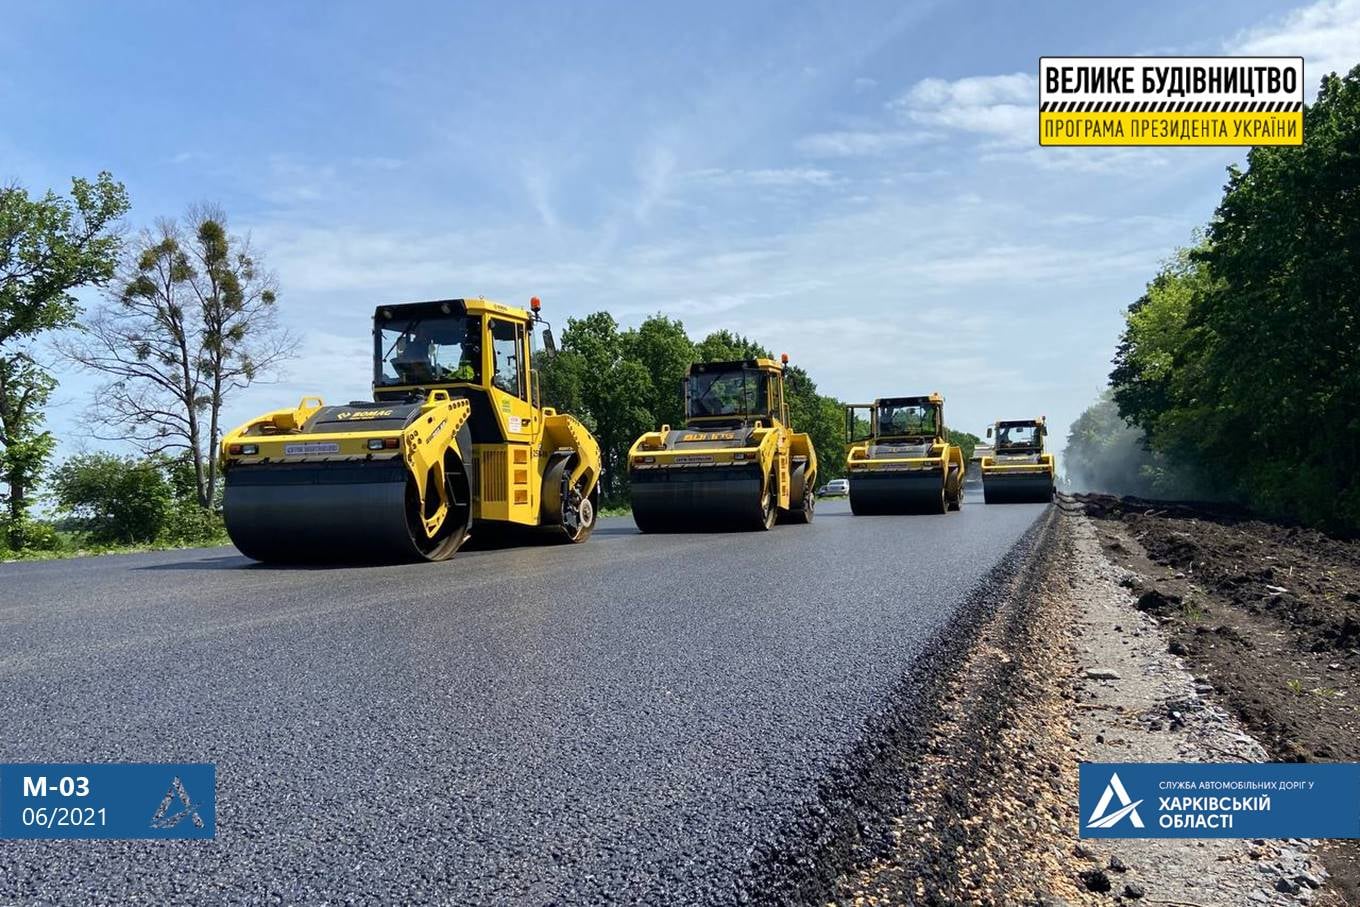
(451, 533)
(954, 491)
(767, 513)
(646, 524)
(567, 507)
(805, 513)
(578, 515)
(802, 497)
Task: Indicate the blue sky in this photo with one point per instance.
(856, 184)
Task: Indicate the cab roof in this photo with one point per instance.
(932, 397)
(436, 307)
(704, 368)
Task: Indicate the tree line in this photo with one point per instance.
(1240, 364)
(187, 318)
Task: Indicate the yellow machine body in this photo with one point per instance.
(899, 457)
(1020, 469)
(736, 463)
(455, 435)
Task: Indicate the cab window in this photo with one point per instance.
(507, 373)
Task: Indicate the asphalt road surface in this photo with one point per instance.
(627, 720)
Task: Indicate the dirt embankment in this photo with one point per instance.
(1267, 615)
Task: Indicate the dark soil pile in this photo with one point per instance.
(1268, 614)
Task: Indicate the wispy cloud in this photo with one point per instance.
(654, 172)
(999, 107)
(1326, 34)
(778, 177)
(538, 186)
(861, 143)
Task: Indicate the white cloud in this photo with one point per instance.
(378, 162)
(785, 177)
(862, 143)
(1125, 161)
(654, 174)
(864, 83)
(537, 185)
(1326, 34)
(972, 91)
(1001, 107)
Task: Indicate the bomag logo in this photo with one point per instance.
(352, 415)
(707, 436)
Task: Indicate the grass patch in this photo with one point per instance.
(1192, 611)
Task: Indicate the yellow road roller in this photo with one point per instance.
(1019, 469)
(900, 459)
(455, 436)
(736, 464)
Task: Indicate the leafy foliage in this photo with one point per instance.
(113, 500)
(49, 246)
(1242, 362)
(193, 319)
(1104, 453)
(965, 440)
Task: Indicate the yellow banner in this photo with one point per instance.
(1171, 128)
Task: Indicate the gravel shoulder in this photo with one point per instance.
(1266, 616)
(1069, 669)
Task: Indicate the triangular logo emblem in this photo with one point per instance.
(1127, 806)
(165, 819)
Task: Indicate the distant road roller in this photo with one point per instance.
(900, 459)
(736, 464)
(455, 436)
(1019, 469)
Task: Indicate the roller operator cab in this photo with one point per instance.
(1019, 468)
(737, 463)
(899, 457)
(455, 436)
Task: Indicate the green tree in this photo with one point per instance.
(1158, 380)
(49, 246)
(662, 347)
(1242, 361)
(822, 417)
(592, 378)
(1280, 329)
(115, 500)
(1104, 453)
(725, 346)
(193, 319)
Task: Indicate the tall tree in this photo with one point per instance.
(592, 378)
(49, 246)
(193, 318)
(1242, 361)
(725, 346)
(663, 348)
(822, 417)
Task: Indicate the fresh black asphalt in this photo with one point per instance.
(632, 719)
